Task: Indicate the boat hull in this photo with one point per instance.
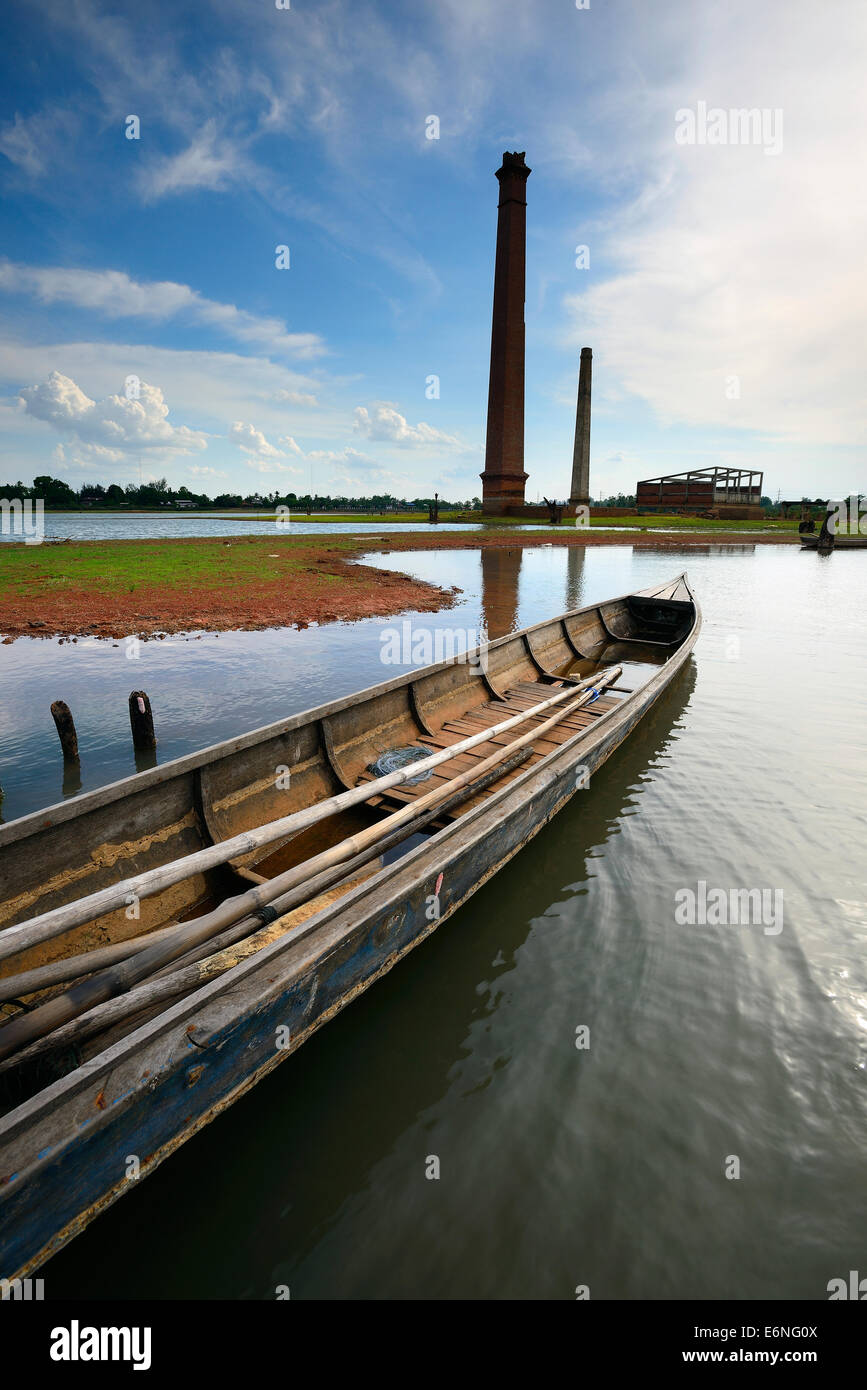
(65, 1155)
(838, 543)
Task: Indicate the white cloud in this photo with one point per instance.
(269, 465)
(387, 424)
(35, 143)
(343, 456)
(106, 431)
(295, 397)
(206, 163)
(348, 471)
(259, 453)
(736, 295)
(116, 295)
(251, 441)
(200, 470)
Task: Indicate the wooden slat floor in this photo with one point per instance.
(521, 696)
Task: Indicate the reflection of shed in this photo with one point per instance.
(730, 492)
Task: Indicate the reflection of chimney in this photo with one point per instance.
(504, 477)
(574, 576)
(580, 490)
(501, 569)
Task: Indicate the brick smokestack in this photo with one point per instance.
(504, 477)
(580, 490)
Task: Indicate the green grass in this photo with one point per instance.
(124, 566)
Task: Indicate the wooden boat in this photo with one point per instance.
(837, 542)
(79, 1115)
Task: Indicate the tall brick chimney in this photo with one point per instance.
(579, 492)
(504, 477)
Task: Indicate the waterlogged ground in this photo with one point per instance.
(559, 1166)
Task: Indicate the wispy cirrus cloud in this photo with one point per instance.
(210, 161)
(114, 294)
(38, 142)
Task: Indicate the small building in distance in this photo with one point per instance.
(729, 493)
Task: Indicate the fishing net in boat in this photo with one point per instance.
(396, 758)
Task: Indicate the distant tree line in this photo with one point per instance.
(59, 496)
(622, 499)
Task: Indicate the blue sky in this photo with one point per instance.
(725, 298)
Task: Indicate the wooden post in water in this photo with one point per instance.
(62, 716)
(141, 720)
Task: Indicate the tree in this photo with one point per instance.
(55, 492)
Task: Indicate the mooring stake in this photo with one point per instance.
(141, 720)
(62, 716)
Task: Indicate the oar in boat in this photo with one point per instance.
(63, 1007)
(60, 919)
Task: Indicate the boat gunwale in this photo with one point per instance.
(148, 1035)
(62, 811)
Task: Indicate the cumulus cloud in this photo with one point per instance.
(251, 441)
(384, 422)
(214, 387)
(106, 431)
(116, 295)
(259, 453)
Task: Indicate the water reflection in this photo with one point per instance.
(82, 526)
(71, 784)
(145, 759)
(501, 574)
(674, 549)
(574, 576)
(557, 1167)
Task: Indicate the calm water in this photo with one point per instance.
(89, 526)
(558, 1166)
(117, 526)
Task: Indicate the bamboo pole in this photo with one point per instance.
(154, 989)
(120, 978)
(60, 919)
(60, 972)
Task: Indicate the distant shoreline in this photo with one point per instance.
(650, 521)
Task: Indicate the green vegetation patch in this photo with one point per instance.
(124, 566)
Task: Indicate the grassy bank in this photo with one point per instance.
(114, 588)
